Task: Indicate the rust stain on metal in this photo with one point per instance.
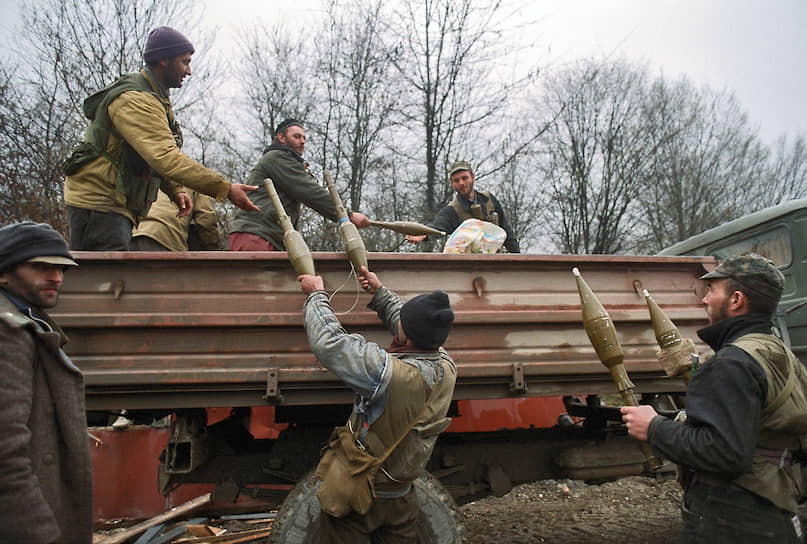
(182, 336)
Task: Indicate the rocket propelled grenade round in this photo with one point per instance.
(675, 354)
(299, 254)
(602, 334)
(354, 245)
(407, 227)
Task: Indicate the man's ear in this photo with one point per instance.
(738, 302)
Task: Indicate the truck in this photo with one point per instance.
(214, 342)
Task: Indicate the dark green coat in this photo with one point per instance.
(294, 185)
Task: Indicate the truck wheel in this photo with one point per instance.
(297, 519)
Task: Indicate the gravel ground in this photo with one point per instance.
(636, 509)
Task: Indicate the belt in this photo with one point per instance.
(781, 458)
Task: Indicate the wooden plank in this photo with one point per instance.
(173, 513)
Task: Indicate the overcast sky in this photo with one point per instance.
(756, 48)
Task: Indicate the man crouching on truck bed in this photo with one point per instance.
(403, 394)
(742, 447)
(45, 469)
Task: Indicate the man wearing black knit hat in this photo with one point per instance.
(283, 163)
(402, 396)
(45, 470)
(131, 149)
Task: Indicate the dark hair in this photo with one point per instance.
(757, 302)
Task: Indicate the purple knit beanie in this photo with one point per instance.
(163, 43)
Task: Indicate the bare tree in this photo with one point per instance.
(708, 166)
(595, 157)
(70, 48)
(448, 53)
(277, 78)
(787, 176)
(362, 92)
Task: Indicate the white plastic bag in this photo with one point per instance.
(475, 236)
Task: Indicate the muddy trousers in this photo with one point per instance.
(728, 514)
(389, 521)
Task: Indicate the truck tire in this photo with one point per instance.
(297, 520)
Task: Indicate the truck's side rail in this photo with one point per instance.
(174, 330)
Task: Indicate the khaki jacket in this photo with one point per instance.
(163, 226)
(139, 118)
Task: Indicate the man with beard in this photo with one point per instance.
(283, 163)
(741, 448)
(45, 471)
(132, 149)
(469, 203)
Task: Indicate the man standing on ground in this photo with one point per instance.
(741, 448)
(283, 163)
(132, 148)
(469, 203)
(45, 470)
(407, 386)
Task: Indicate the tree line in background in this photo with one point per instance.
(595, 156)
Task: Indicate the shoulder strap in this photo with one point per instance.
(412, 423)
(750, 343)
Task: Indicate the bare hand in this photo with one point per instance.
(309, 284)
(360, 220)
(184, 203)
(238, 196)
(368, 280)
(415, 238)
(637, 419)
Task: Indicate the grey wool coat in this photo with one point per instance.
(45, 468)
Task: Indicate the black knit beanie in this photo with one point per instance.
(164, 43)
(286, 123)
(427, 319)
(20, 242)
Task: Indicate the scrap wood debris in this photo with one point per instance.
(166, 528)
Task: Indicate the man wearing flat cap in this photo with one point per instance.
(131, 149)
(283, 163)
(402, 396)
(741, 449)
(469, 203)
(45, 471)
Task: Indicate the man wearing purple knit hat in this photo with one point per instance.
(132, 149)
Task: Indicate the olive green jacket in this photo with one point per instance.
(294, 185)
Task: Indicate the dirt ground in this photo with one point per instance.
(637, 510)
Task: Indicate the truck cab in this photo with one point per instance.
(778, 233)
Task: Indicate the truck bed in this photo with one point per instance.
(204, 329)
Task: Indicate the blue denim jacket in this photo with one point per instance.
(364, 366)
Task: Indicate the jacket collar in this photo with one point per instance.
(274, 146)
(155, 84)
(37, 315)
(728, 330)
